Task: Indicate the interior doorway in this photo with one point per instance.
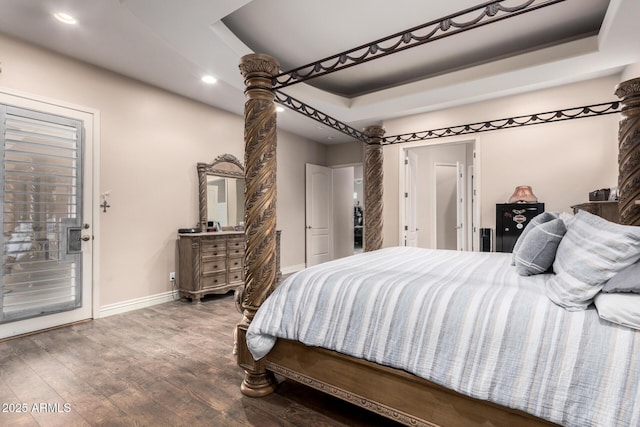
(348, 210)
(334, 212)
(358, 209)
(438, 196)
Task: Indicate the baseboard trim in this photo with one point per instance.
(292, 268)
(137, 303)
(151, 300)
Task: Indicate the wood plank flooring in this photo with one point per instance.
(167, 365)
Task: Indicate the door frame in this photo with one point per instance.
(410, 226)
(477, 179)
(91, 130)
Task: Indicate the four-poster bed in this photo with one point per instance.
(393, 392)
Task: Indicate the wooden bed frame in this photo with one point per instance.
(392, 393)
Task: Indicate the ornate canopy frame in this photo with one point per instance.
(389, 392)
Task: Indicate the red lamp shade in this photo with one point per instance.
(523, 194)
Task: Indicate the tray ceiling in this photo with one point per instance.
(170, 44)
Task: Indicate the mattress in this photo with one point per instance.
(466, 321)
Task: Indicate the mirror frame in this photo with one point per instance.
(227, 166)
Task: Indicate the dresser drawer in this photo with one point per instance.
(213, 280)
(236, 276)
(236, 252)
(211, 264)
(236, 263)
(235, 243)
(213, 247)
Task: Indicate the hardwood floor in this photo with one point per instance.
(167, 365)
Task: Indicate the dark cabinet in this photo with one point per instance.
(511, 219)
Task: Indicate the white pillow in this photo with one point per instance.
(591, 252)
(623, 309)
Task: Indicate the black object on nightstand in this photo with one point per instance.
(511, 219)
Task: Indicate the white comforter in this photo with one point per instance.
(466, 321)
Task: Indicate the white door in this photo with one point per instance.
(47, 237)
(319, 213)
(410, 197)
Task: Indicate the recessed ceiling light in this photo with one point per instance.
(65, 18)
(279, 109)
(209, 79)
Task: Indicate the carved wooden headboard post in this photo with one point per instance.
(373, 188)
(629, 152)
(260, 209)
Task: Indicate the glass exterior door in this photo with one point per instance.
(41, 170)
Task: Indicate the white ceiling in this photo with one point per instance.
(172, 43)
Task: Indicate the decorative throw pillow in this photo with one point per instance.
(535, 221)
(538, 249)
(591, 252)
(628, 280)
(623, 309)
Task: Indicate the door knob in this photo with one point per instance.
(308, 227)
(85, 238)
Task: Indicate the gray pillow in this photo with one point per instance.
(535, 221)
(538, 249)
(628, 280)
(591, 252)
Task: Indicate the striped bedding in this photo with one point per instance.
(467, 321)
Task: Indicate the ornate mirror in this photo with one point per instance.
(221, 194)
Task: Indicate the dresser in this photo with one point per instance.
(210, 263)
(605, 209)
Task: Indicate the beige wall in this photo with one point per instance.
(345, 154)
(562, 161)
(151, 141)
(293, 153)
(631, 72)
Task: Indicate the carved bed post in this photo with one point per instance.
(260, 209)
(373, 188)
(629, 152)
